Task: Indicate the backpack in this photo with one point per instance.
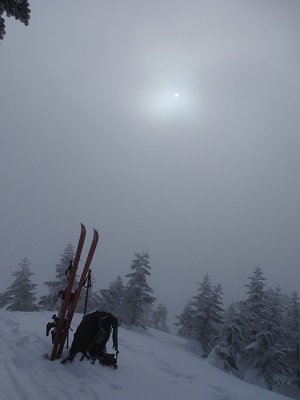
(91, 337)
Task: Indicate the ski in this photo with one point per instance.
(67, 295)
(71, 310)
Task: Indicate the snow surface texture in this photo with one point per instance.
(153, 365)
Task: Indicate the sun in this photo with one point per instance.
(176, 95)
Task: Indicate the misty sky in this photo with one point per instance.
(91, 132)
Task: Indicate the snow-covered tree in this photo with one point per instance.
(21, 294)
(276, 316)
(137, 292)
(202, 315)
(216, 310)
(293, 340)
(159, 318)
(50, 301)
(111, 299)
(207, 304)
(255, 304)
(264, 352)
(230, 341)
(19, 9)
(187, 321)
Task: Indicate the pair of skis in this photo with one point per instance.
(70, 300)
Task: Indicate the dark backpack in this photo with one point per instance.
(91, 337)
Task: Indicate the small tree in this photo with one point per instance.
(19, 9)
(21, 293)
(187, 321)
(159, 318)
(137, 293)
(50, 301)
(111, 299)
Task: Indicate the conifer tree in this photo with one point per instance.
(137, 292)
(276, 312)
(202, 315)
(50, 302)
(187, 321)
(230, 341)
(19, 9)
(111, 299)
(255, 303)
(264, 353)
(159, 318)
(207, 304)
(293, 330)
(21, 294)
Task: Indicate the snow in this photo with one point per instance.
(152, 365)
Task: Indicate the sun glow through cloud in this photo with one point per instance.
(165, 104)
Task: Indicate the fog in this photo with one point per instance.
(91, 132)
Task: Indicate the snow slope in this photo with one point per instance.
(153, 365)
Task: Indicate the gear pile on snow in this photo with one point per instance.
(91, 338)
(61, 324)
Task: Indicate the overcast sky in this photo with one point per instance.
(91, 132)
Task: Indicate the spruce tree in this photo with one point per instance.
(51, 302)
(293, 331)
(255, 303)
(19, 9)
(21, 294)
(264, 352)
(207, 304)
(187, 321)
(230, 341)
(111, 299)
(159, 318)
(137, 292)
(202, 315)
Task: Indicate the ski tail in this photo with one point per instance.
(77, 293)
(67, 295)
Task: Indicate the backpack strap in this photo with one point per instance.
(115, 333)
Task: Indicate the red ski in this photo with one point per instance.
(72, 305)
(67, 294)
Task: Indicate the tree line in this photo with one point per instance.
(259, 334)
(132, 303)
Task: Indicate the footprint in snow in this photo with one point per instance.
(22, 341)
(115, 387)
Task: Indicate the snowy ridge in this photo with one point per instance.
(152, 365)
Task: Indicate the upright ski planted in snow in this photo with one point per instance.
(71, 310)
(68, 294)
